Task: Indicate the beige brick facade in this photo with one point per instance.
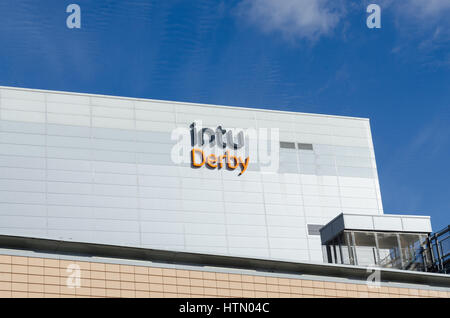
(22, 276)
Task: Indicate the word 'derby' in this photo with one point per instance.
(212, 161)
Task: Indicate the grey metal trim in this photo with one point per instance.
(314, 229)
(303, 146)
(287, 145)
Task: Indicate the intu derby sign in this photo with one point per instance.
(222, 139)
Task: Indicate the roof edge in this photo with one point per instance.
(182, 103)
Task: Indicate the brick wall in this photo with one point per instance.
(44, 277)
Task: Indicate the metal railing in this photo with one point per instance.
(439, 249)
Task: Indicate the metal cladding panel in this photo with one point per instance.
(416, 224)
(388, 223)
(101, 169)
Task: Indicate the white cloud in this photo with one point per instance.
(313, 19)
(424, 26)
(304, 19)
(426, 8)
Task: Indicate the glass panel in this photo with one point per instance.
(410, 245)
(346, 248)
(365, 247)
(335, 251)
(330, 253)
(325, 254)
(389, 250)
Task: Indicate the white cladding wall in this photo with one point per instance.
(98, 169)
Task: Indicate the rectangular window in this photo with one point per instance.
(313, 229)
(302, 146)
(287, 145)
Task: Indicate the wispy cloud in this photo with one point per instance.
(423, 15)
(312, 19)
(425, 9)
(433, 137)
(414, 163)
(422, 27)
(415, 9)
(294, 19)
(423, 30)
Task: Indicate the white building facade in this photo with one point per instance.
(102, 169)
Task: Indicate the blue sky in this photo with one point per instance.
(299, 55)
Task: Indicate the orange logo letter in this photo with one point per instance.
(195, 164)
(229, 158)
(244, 165)
(212, 161)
